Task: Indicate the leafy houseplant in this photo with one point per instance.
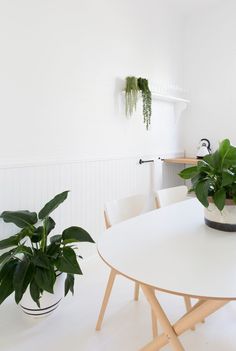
(133, 87)
(214, 183)
(34, 255)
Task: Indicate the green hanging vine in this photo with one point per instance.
(147, 101)
(132, 89)
(131, 95)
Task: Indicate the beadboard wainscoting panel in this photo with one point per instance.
(91, 184)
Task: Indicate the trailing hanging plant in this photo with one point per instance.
(131, 95)
(147, 101)
(132, 89)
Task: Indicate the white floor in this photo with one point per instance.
(126, 325)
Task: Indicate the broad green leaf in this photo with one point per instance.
(219, 199)
(189, 172)
(22, 249)
(22, 277)
(224, 147)
(20, 218)
(40, 259)
(195, 180)
(73, 234)
(69, 283)
(230, 157)
(201, 191)
(54, 250)
(9, 242)
(56, 238)
(45, 278)
(207, 160)
(227, 177)
(67, 262)
(37, 235)
(53, 204)
(49, 225)
(6, 257)
(6, 281)
(35, 292)
(217, 160)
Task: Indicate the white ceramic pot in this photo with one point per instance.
(223, 220)
(48, 302)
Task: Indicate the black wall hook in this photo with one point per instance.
(147, 161)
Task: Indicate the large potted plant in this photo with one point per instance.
(35, 262)
(214, 183)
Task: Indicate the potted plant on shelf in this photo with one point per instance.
(214, 183)
(133, 87)
(38, 262)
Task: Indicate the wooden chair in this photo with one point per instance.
(115, 212)
(166, 197)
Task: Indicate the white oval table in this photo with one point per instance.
(172, 250)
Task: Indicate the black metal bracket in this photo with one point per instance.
(147, 161)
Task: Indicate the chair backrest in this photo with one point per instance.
(122, 209)
(165, 197)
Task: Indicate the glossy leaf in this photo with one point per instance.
(73, 234)
(53, 204)
(189, 172)
(9, 242)
(224, 148)
(201, 191)
(37, 235)
(22, 277)
(53, 250)
(45, 278)
(20, 218)
(22, 249)
(49, 225)
(41, 260)
(6, 257)
(69, 283)
(35, 292)
(219, 199)
(67, 262)
(56, 238)
(227, 178)
(6, 280)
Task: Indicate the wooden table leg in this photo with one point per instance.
(197, 313)
(160, 314)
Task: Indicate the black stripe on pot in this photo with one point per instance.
(40, 309)
(58, 273)
(226, 227)
(40, 314)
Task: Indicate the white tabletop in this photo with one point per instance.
(173, 250)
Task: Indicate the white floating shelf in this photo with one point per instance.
(169, 98)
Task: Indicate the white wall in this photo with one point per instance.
(62, 68)
(210, 75)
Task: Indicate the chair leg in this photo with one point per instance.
(107, 294)
(136, 291)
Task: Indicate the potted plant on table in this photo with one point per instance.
(214, 183)
(36, 261)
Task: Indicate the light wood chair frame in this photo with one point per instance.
(111, 280)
